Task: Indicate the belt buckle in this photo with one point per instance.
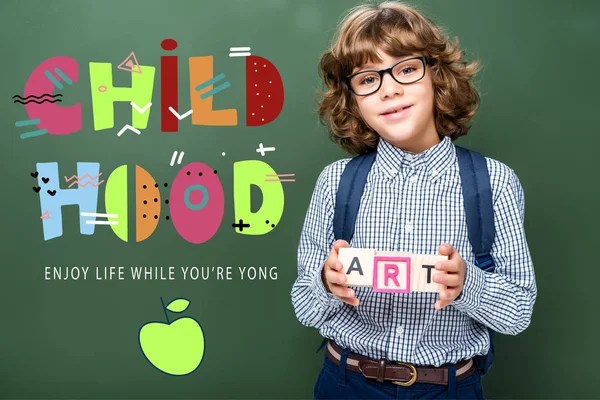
(413, 373)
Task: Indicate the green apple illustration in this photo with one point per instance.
(175, 348)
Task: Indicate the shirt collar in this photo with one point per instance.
(436, 160)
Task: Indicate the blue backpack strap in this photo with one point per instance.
(479, 209)
(349, 193)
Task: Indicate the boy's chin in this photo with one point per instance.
(398, 140)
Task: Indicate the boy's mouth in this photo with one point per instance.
(394, 110)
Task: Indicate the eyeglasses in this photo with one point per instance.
(406, 71)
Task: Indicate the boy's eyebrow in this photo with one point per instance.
(365, 67)
(371, 66)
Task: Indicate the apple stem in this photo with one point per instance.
(164, 309)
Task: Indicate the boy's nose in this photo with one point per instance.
(389, 86)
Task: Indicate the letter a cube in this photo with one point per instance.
(357, 264)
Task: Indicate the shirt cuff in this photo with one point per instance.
(470, 297)
(324, 298)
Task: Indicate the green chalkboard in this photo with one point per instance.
(80, 338)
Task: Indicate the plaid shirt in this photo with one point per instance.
(414, 203)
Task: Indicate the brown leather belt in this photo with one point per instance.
(402, 374)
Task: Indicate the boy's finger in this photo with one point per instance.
(336, 265)
(342, 291)
(335, 277)
(340, 243)
(446, 249)
(331, 260)
(332, 254)
(447, 279)
(352, 301)
(442, 303)
(446, 297)
(333, 264)
(448, 266)
(446, 294)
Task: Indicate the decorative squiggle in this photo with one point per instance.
(38, 102)
(37, 97)
(87, 183)
(83, 177)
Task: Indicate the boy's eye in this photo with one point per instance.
(408, 68)
(366, 79)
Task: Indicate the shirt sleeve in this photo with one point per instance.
(503, 300)
(313, 305)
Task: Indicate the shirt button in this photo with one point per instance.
(413, 179)
(434, 172)
(409, 157)
(408, 227)
(399, 331)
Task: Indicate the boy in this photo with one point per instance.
(397, 86)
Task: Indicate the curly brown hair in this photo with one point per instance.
(398, 30)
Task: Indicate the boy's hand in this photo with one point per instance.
(454, 278)
(333, 277)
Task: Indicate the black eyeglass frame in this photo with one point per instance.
(425, 60)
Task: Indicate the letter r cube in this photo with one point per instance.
(391, 274)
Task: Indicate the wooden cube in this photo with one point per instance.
(422, 273)
(392, 274)
(357, 264)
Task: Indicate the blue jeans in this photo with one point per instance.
(336, 382)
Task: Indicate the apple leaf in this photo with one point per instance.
(178, 305)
